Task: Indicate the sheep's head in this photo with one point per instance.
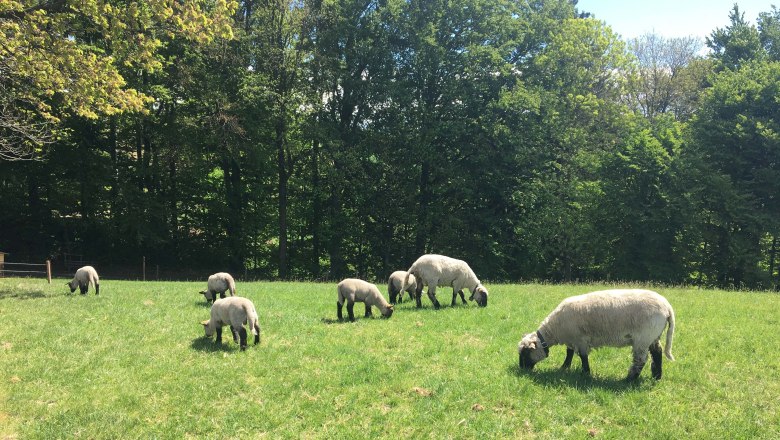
(207, 294)
(531, 351)
(388, 312)
(480, 295)
(207, 328)
(72, 286)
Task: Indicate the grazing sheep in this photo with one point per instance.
(235, 312)
(614, 318)
(437, 270)
(219, 283)
(354, 290)
(83, 277)
(394, 284)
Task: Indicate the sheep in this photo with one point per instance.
(354, 290)
(394, 286)
(219, 283)
(83, 277)
(234, 311)
(437, 270)
(615, 318)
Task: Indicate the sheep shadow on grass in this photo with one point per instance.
(332, 321)
(8, 293)
(573, 378)
(208, 345)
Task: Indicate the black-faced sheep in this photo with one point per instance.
(219, 283)
(613, 318)
(83, 277)
(353, 290)
(235, 312)
(394, 284)
(437, 270)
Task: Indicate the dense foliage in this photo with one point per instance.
(326, 138)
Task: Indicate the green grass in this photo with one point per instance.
(133, 363)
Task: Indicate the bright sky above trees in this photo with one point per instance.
(670, 18)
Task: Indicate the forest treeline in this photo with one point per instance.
(297, 139)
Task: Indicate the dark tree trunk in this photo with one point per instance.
(424, 207)
(284, 176)
(234, 198)
(316, 228)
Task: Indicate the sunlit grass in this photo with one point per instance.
(132, 363)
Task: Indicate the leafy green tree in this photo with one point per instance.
(737, 143)
(737, 43)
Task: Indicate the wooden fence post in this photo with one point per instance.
(48, 270)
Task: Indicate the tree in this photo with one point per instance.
(63, 57)
(663, 81)
(735, 44)
(738, 148)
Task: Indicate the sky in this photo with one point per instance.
(671, 18)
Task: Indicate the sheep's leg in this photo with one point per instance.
(640, 359)
(418, 294)
(83, 288)
(656, 353)
(462, 297)
(338, 310)
(222, 294)
(454, 296)
(569, 357)
(242, 338)
(432, 295)
(585, 363)
(97, 289)
(219, 335)
(393, 293)
(235, 333)
(351, 310)
(257, 336)
(368, 311)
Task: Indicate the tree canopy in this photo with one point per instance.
(331, 138)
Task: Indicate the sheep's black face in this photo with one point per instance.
(71, 287)
(525, 359)
(531, 351)
(388, 313)
(207, 295)
(480, 296)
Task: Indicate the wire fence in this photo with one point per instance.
(9, 269)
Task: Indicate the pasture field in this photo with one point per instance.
(133, 363)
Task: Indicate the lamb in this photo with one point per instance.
(394, 286)
(219, 283)
(354, 290)
(83, 277)
(437, 270)
(235, 312)
(615, 318)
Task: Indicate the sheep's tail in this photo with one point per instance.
(669, 334)
(252, 320)
(405, 281)
(232, 287)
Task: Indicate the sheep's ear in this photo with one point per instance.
(202, 292)
(532, 345)
(205, 323)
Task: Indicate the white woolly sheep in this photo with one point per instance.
(235, 312)
(394, 284)
(219, 283)
(353, 290)
(613, 318)
(437, 270)
(83, 277)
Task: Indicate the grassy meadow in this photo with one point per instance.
(133, 363)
